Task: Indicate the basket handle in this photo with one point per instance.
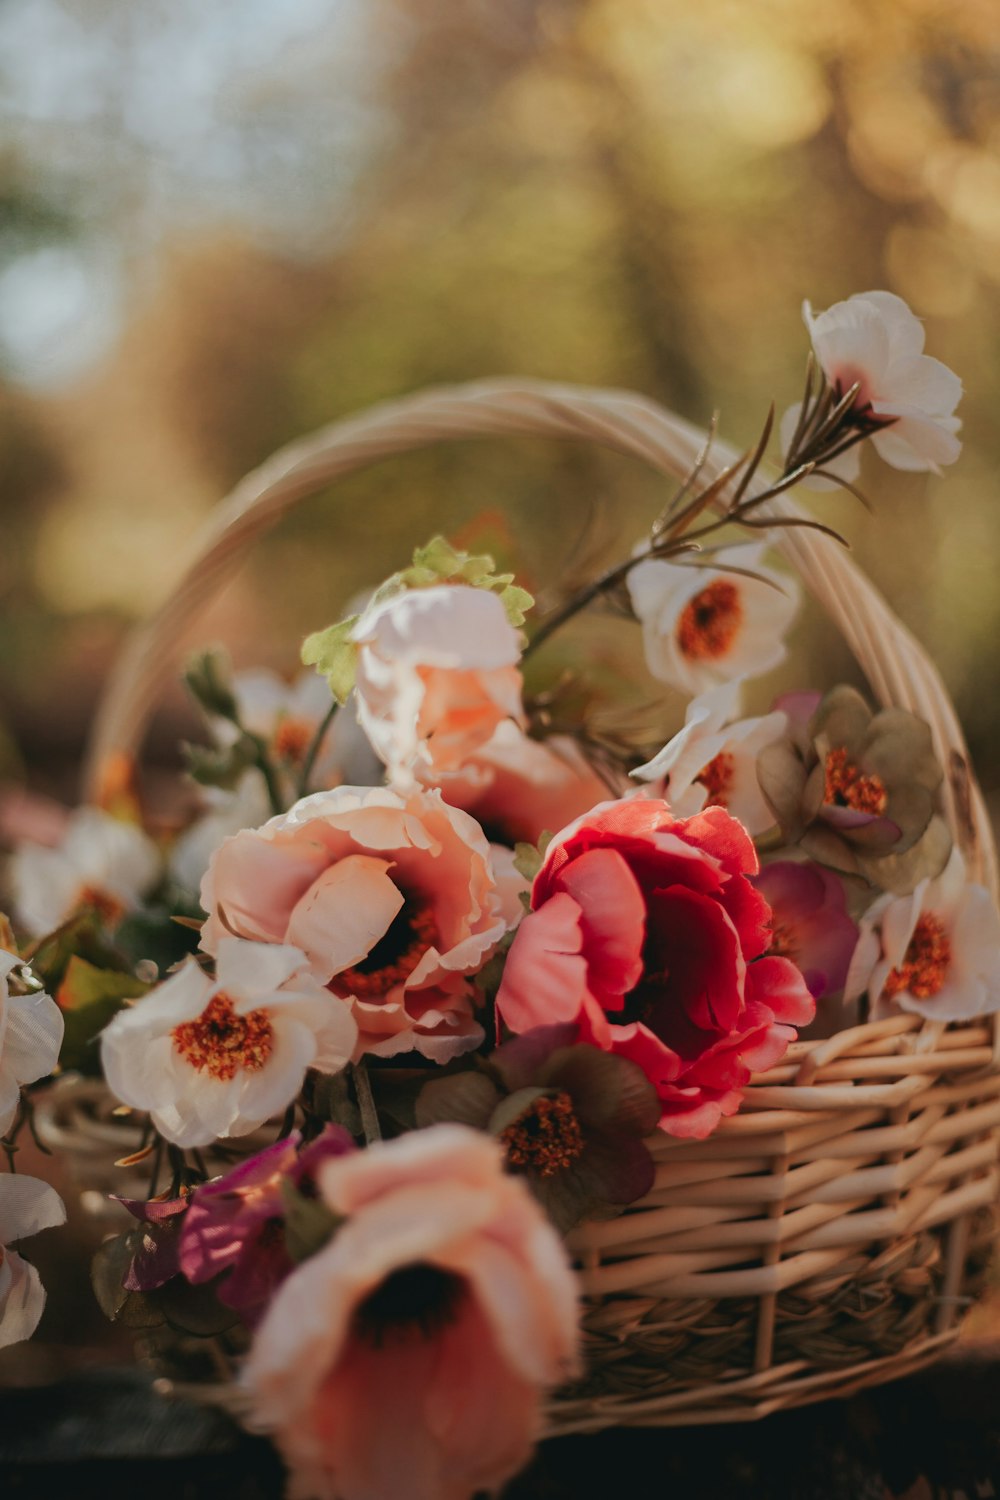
(896, 666)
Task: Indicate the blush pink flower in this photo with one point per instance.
(408, 1357)
(518, 788)
(873, 340)
(437, 671)
(391, 897)
(646, 930)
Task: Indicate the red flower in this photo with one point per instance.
(646, 931)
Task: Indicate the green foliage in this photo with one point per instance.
(89, 997)
(440, 562)
(334, 655)
(309, 1223)
(223, 767)
(208, 676)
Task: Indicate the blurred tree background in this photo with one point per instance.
(223, 225)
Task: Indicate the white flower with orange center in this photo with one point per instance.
(391, 896)
(935, 952)
(26, 1206)
(101, 863)
(211, 1057)
(904, 396)
(712, 761)
(31, 1033)
(437, 671)
(704, 626)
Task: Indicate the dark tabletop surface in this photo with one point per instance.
(934, 1436)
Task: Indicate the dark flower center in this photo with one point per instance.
(220, 1042)
(717, 778)
(709, 621)
(846, 786)
(925, 963)
(419, 1299)
(547, 1138)
(394, 957)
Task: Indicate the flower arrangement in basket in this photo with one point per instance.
(464, 1051)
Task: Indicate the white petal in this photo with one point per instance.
(22, 1302)
(251, 972)
(33, 1037)
(27, 1205)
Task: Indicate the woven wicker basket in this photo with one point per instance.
(828, 1236)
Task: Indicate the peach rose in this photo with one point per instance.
(408, 1356)
(436, 673)
(391, 897)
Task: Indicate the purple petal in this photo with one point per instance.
(519, 1060)
(153, 1210)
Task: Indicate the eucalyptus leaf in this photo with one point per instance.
(309, 1223)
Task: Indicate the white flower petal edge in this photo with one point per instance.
(31, 1033)
(99, 856)
(713, 761)
(26, 1206)
(705, 626)
(873, 339)
(199, 1079)
(948, 933)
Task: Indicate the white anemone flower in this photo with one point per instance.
(873, 340)
(704, 626)
(31, 1033)
(217, 1057)
(246, 806)
(935, 952)
(102, 863)
(26, 1206)
(712, 761)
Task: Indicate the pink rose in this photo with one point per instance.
(646, 931)
(407, 1357)
(390, 896)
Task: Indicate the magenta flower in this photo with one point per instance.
(810, 923)
(236, 1224)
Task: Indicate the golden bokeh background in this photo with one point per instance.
(222, 226)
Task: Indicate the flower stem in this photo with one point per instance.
(366, 1103)
(315, 745)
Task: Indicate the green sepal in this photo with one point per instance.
(208, 676)
(211, 766)
(334, 655)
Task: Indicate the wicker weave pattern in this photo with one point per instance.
(826, 1237)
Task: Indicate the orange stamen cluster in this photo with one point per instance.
(845, 786)
(292, 740)
(220, 1042)
(394, 957)
(107, 907)
(709, 621)
(925, 963)
(547, 1138)
(717, 778)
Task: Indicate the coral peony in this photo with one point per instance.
(647, 932)
(392, 898)
(408, 1356)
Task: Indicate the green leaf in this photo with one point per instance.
(331, 1100)
(211, 766)
(468, 1098)
(107, 1271)
(193, 1309)
(209, 678)
(527, 860)
(440, 562)
(334, 655)
(80, 936)
(89, 997)
(309, 1224)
